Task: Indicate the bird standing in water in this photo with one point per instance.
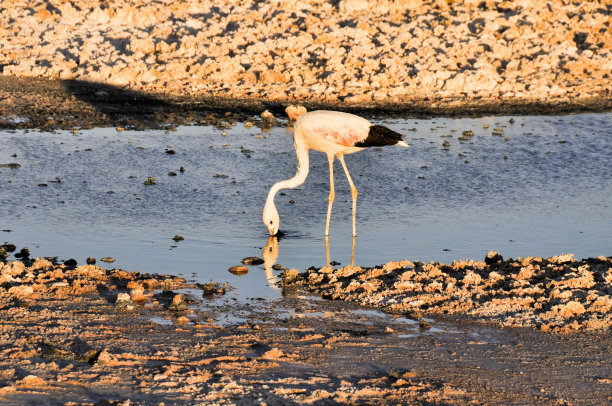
(334, 133)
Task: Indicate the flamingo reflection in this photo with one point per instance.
(269, 253)
(352, 251)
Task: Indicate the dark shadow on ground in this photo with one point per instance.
(32, 103)
(72, 104)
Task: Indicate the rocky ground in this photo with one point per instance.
(413, 55)
(86, 335)
(555, 294)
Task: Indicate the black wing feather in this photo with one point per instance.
(379, 136)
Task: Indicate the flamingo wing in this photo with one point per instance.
(337, 127)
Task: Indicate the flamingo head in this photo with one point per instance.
(271, 219)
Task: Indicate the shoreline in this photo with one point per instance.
(33, 103)
(115, 336)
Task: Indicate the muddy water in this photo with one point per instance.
(523, 186)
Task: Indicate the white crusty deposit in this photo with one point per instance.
(355, 52)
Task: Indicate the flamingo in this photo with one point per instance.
(336, 134)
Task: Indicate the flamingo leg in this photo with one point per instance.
(332, 194)
(353, 191)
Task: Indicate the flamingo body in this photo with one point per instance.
(334, 133)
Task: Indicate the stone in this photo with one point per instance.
(252, 261)
(294, 112)
(493, 257)
(239, 270)
(178, 303)
(124, 302)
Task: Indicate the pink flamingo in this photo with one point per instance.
(334, 133)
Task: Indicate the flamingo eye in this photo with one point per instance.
(270, 221)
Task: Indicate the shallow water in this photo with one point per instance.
(542, 188)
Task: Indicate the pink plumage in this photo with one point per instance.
(343, 129)
(334, 133)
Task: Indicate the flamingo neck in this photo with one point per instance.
(300, 176)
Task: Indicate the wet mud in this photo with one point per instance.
(68, 334)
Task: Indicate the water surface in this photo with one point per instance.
(523, 186)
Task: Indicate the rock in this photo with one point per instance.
(238, 270)
(137, 295)
(11, 165)
(182, 320)
(90, 261)
(273, 354)
(124, 302)
(493, 258)
(32, 381)
(252, 261)
(24, 253)
(107, 259)
(70, 262)
(8, 247)
(267, 116)
(106, 358)
(423, 325)
(208, 288)
(178, 238)
(290, 275)
(150, 181)
(294, 112)
(178, 303)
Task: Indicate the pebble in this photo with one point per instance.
(252, 261)
(124, 302)
(238, 270)
(493, 257)
(267, 116)
(294, 112)
(90, 261)
(150, 181)
(178, 238)
(208, 288)
(107, 259)
(178, 303)
(24, 253)
(70, 262)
